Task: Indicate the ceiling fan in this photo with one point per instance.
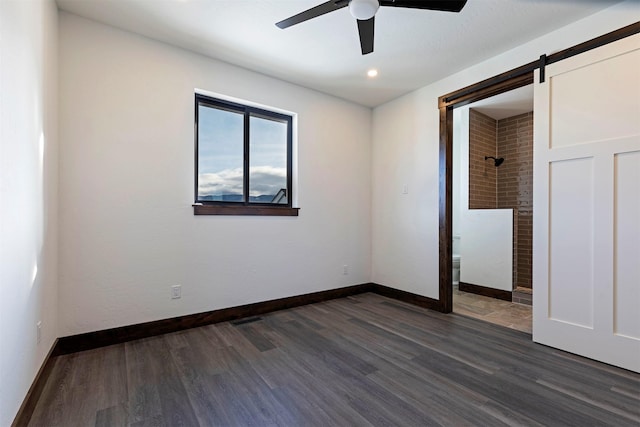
(364, 11)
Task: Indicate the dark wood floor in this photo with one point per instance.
(363, 360)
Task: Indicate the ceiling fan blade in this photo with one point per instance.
(314, 12)
(443, 5)
(365, 29)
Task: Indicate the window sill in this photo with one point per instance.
(244, 210)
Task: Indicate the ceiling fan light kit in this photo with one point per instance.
(365, 10)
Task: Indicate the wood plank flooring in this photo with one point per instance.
(358, 361)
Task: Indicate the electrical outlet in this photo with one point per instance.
(345, 269)
(176, 291)
(39, 332)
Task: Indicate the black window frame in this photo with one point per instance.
(246, 207)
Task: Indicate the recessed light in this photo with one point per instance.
(372, 72)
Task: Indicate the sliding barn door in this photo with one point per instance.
(586, 249)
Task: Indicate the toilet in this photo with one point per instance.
(456, 259)
(456, 269)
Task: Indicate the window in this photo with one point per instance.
(243, 160)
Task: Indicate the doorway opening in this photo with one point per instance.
(492, 204)
(497, 85)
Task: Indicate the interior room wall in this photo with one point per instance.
(460, 196)
(28, 195)
(127, 228)
(486, 248)
(457, 178)
(405, 246)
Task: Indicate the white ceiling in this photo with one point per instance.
(508, 104)
(412, 47)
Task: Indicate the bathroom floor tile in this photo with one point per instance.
(474, 309)
(505, 313)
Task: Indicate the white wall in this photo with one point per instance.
(28, 194)
(460, 195)
(127, 230)
(460, 138)
(486, 248)
(405, 151)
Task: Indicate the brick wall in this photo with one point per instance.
(482, 173)
(515, 187)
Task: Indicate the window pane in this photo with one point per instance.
(220, 155)
(268, 161)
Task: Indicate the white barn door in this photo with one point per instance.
(586, 225)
